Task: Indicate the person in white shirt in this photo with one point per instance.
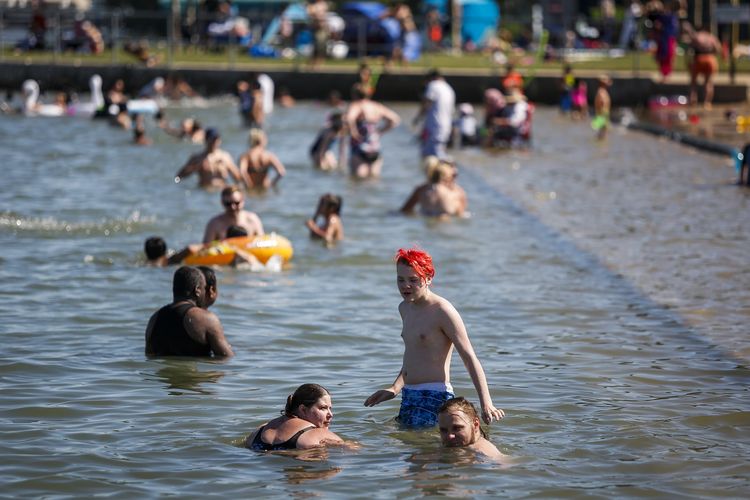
(437, 107)
(466, 125)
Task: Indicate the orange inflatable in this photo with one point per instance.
(222, 253)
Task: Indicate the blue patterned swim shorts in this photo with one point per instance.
(419, 407)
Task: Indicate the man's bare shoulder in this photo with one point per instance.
(216, 219)
(202, 317)
(250, 216)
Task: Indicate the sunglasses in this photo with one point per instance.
(229, 203)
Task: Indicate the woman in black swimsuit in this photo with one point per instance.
(303, 423)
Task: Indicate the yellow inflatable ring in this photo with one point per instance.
(222, 253)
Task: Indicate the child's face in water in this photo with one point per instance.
(411, 286)
(457, 429)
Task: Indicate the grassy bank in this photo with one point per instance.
(631, 62)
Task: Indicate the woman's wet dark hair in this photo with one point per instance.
(333, 201)
(306, 395)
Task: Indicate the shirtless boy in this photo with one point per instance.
(431, 329)
(213, 165)
(233, 201)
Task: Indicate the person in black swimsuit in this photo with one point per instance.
(185, 327)
(303, 423)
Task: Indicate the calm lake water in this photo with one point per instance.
(605, 288)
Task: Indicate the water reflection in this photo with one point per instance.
(299, 474)
(183, 375)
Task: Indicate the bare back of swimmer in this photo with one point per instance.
(214, 166)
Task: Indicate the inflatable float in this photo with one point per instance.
(89, 108)
(31, 104)
(222, 253)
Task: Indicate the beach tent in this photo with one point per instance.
(480, 18)
(366, 20)
(365, 30)
(296, 14)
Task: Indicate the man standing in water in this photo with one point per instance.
(233, 201)
(213, 165)
(185, 327)
(431, 328)
(437, 111)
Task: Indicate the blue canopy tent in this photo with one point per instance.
(480, 18)
(368, 30)
(364, 30)
(296, 13)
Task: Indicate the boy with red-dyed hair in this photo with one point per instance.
(431, 328)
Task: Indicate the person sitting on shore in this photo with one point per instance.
(184, 327)
(441, 196)
(257, 162)
(321, 151)
(213, 165)
(233, 200)
(304, 423)
(460, 427)
(326, 222)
